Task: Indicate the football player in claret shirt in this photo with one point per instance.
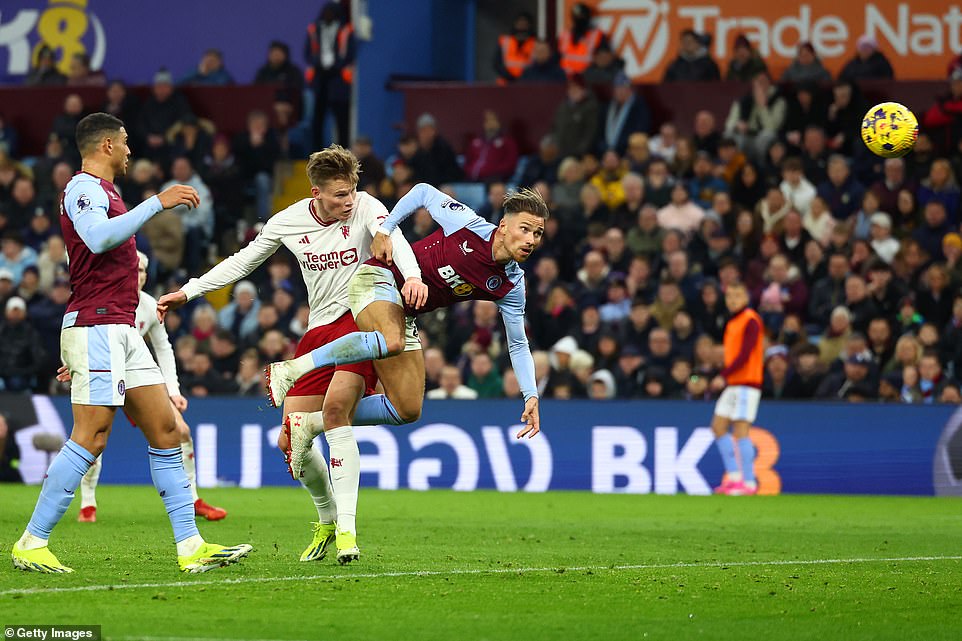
(106, 357)
(468, 258)
(740, 384)
(330, 234)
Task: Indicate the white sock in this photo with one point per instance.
(189, 545)
(190, 466)
(316, 422)
(317, 481)
(302, 364)
(345, 474)
(30, 542)
(88, 484)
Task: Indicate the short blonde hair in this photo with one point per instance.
(332, 163)
(525, 200)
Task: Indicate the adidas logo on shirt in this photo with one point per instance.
(304, 241)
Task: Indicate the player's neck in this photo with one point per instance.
(499, 252)
(321, 212)
(98, 168)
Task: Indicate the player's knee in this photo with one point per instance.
(394, 342)
(336, 413)
(409, 411)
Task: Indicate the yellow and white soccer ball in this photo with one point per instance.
(889, 130)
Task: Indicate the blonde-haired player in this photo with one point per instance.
(147, 324)
(330, 234)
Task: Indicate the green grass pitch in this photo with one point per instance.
(484, 565)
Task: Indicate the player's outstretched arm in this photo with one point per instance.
(512, 312)
(446, 211)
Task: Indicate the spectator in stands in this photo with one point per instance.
(65, 126)
(944, 118)
(755, 119)
(210, 71)
(81, 75)
(799, 192)
(931, 378)
(122, 104)
(515, 49)
(8, 138)
(544, 66)
(772, 209)
(191, 138)
(868, 63)
(693, 62)
(450, 386)
(225, 357)
(748, 187)
(545, 166)
(706, 135)
(681, 213)
(576, 119)
(203, 380)
(279, 70)
(21, 356)
(625, 215)
(637, 155)
(952, 250)
(806, 67)
(14, 256)
(855, 374)
(892, 182)
(704, 184)
(815, 154)
(608, 181)
(484, 378)
(941, 185)
(250, 375)
(493, 155)
(373, 172)
(775, 382)
(625, 114)
(934, 300)
(841, 192)
(434, 162)
(861, 306)
(845, 114)
(23, 205)
(883, 244)
(605, 67)
(223, 176)
(746, 63)
(805, 108)
(198, 222)
(256, 151)
(578, 44)
(45, 72)
(935, 225)
(52, 263)
(330, 51)
(662, 145)
(828, 293)
(684, 159)
(160, 112)
(783, 293)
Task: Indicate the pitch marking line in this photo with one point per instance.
(471, 572)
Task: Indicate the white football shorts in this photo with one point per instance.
(104, 362)
(372, 283)
(738, 403)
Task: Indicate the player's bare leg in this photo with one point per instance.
(150, 408)
(87, 441)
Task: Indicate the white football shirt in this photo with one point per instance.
(148, 326)
(329, 253)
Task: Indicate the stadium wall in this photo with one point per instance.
(637, 447)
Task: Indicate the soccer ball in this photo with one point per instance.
(889, 130)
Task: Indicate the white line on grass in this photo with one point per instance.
(478, 571)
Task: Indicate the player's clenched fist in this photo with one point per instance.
(383, 248)
(169, 302)
(179, 195)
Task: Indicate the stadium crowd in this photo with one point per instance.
(854, 264)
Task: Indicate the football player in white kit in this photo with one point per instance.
(330, 234)
(149, 327)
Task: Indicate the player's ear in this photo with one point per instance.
(315, 191)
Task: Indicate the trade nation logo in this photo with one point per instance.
(639, 32)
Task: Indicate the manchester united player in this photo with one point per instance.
(107, 359)
(330, 234)
(468, 258)
(741, 380)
